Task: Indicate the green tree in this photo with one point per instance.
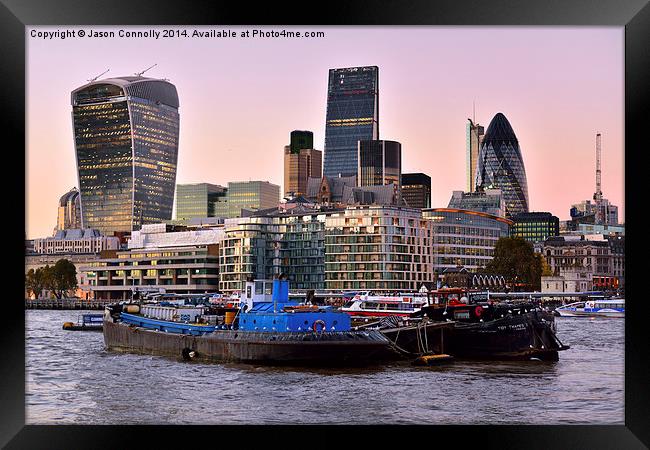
(64, 277)
(34, 282)
(515, 259)
(47, 278)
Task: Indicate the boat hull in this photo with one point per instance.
(524, 336)
(570, 313)
(300, 348)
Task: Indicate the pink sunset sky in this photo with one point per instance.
(241, 97)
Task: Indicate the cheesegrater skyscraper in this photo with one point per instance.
(352, 116)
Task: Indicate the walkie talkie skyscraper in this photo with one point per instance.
(126, 143)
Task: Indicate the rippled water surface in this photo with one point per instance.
(71, 378)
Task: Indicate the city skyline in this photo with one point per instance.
(424, 110)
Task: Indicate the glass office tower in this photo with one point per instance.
(352, 116)
(126, 143)
(380, 162)
(198, 200)
(474, 134)
(416, 190)
(500, 166)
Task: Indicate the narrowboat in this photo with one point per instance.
(268, 328)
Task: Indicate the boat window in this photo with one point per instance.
(348, 304)
(268, 289)
(259, 287)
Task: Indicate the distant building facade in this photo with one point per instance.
(416, 190)
(463, 238)
(501, 166)
(474, 134)
(600, 212)
(287, 241)
(535, 226)
(344, 191)
(198, 200)
(380, 162)
(249, 196)
(69, 211)
(126, 132)
(581, 259)
(301, 163)
(71, 241)
(489, 201)
(352, 116)
(158, 260)
(378, 248)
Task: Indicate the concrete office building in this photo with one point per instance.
(301, 162)
(378, 248)
(159, 259)
(474, 134)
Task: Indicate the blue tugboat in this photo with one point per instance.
(267, 329)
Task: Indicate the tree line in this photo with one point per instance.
(516, 260)
(57, 279)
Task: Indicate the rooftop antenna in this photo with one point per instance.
(474, 110)
(93, 79)
(139, 74)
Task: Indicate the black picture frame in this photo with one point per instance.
(634, 15)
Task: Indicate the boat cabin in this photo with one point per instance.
(266, 308)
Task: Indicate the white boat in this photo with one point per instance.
(614, 307)
(367, 304)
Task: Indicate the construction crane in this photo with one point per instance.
(93, 79)
(139, 74)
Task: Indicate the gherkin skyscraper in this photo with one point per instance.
(500, 165)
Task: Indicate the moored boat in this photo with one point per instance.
(369, 305)
(485, 329)
(87, 322)
(267, 329)
(614, 307)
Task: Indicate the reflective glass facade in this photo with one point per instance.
(535, 226)
(416, 190)
(264, 247)
(500, 165)
(380, 162)
(126, 143)
(251, 195)
(352, 115)
(197, 200)
(464, 238)
(300, 140)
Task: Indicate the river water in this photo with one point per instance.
(72, 379)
